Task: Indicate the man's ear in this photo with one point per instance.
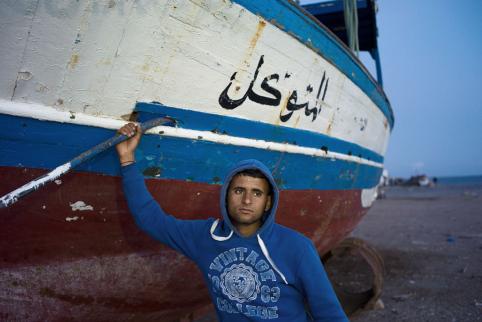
(268, 203)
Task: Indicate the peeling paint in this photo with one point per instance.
(69, 219)
(41, 88)
(25, 75)
(13, 196)
(81, 206)
(152, 172)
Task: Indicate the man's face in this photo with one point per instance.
(248, 198)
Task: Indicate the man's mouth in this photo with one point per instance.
(245, 211)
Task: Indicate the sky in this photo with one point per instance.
(431, 56)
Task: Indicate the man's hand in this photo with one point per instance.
(126, 149)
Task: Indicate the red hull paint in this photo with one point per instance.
(100, 266)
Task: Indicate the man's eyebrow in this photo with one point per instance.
(258, 190)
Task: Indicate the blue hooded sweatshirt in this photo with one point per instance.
(275, 274)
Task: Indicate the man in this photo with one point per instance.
(255, 269)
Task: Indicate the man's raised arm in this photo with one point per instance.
(181, 235)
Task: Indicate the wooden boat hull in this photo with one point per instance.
(96, 263)
(243, 80)
(72, 248)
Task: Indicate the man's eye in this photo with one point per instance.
(258, 193)
(238, 191)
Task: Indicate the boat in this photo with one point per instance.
(243, 79)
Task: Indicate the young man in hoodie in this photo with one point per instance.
(255, 269)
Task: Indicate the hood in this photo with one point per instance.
(226, 229)
(268, 216)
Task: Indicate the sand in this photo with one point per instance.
(431, 242)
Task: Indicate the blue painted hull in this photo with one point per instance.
(40, 144)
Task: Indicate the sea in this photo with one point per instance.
(461, 181)
(466, 186)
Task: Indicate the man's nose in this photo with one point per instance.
(246, 198)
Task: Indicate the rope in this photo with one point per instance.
(351, 23)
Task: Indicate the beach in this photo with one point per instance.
(431, 243)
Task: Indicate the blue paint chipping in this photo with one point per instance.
(25, 142)
(289, 17)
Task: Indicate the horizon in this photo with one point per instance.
(438, 177)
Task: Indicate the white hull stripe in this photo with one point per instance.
(46, 113)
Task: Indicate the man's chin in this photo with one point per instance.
(244, 221)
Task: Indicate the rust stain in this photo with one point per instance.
(246, 61)
(330, 124)
(257, 35)
(297, 121)
(274, 22)
(254, 41)
(74, 59)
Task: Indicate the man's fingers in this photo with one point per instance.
(129, 129)
(134, 130)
